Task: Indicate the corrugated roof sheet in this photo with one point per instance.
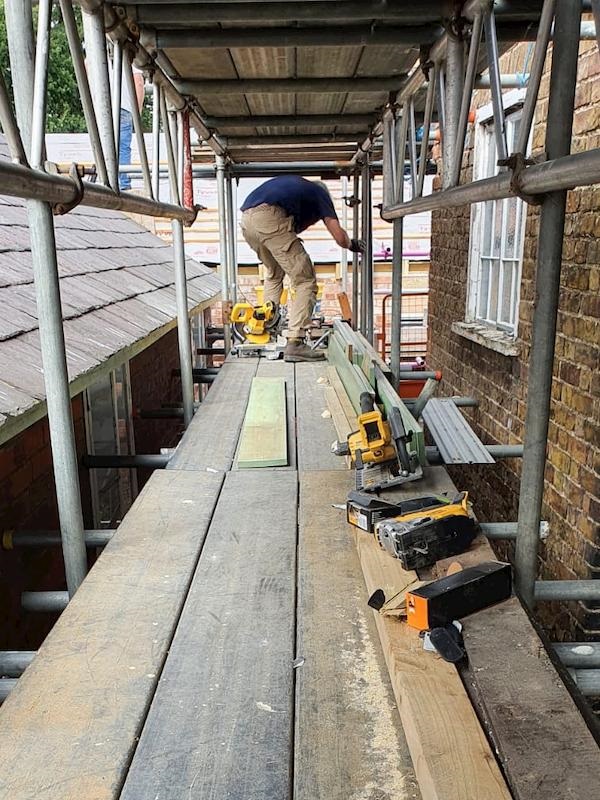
(117, 288)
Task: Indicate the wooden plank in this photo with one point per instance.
(69, 726)
(351, 375)
(542, 740)
(543, 754)
(263, 442)
(349, 741)
(372, 358)
(220, 724)
(450, 752)
(344, 331)
(315, 433)
(348, 408)
(363, 352)
(340, 420)
(211, 439)
(345, 307)
(285, 370)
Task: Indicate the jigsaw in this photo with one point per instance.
(421, 536)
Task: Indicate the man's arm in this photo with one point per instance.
(341, 237)
(138, 81)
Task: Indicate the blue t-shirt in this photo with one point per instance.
(305, 201)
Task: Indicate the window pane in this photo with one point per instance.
(494, 279)
(511, 227)
(488, 219)
(121, 403)
(494, 288)
(513, 133)
(126, 476)
(507, 291)
(491, 167)
(497, 236)
(104, 442)
(515, 294)
(484, 288)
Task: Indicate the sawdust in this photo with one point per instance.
(368, 695)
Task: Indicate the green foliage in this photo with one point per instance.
(65, 114)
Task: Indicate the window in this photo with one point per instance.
(109, 431)
(497, 232)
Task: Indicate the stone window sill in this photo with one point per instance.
(493, 339)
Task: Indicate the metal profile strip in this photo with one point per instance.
(453, 435)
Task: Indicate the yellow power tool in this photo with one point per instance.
(255, 324)
(378, 449)
(423, 536)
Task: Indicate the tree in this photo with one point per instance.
(65, 114)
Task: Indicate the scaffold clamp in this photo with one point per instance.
(63, 208)
(517, 163)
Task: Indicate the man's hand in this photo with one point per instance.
(341, 237)
(357, 245)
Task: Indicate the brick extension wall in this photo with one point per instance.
(152, 383)
(28, 497)
(28, 502)
(572, 488)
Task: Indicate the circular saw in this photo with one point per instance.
(255, 324)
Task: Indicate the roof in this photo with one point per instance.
(118, 295)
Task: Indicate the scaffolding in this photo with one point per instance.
(435, 88)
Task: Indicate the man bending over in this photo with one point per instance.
(273, 216)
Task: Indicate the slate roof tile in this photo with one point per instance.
(117, 287)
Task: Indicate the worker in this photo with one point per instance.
(126, 120)
(272, 217)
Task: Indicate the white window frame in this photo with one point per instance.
(484, 138)
(125, 478)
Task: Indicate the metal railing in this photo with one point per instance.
(413, 334)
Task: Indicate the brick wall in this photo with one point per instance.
(28, 496)
(572, 488)
(152, 383)
(28, 502)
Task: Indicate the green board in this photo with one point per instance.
(263, 442)
(355, 382)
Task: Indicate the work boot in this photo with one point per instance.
(297, 350)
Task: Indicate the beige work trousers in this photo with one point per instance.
(270, 233)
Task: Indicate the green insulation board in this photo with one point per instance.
(263, 442)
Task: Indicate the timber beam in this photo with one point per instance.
(255, 142)
(373, 85)
(199, 13)
(211, 38)
(285, 120)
